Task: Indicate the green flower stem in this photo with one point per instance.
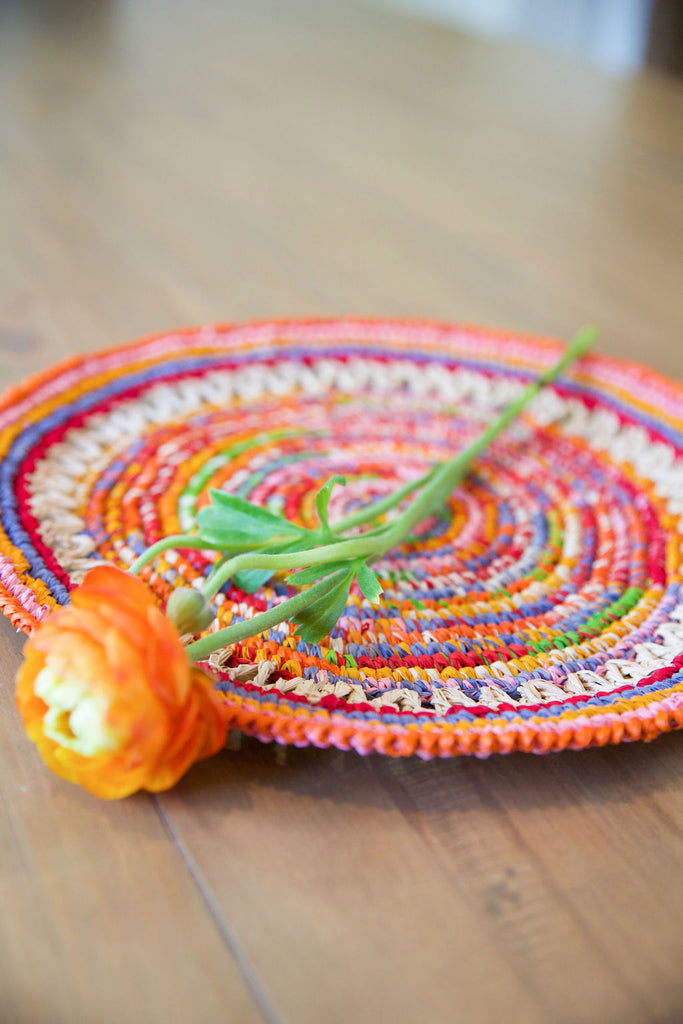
(449, 474)
(219, 564)
(444, 477)
(378, 508)
(179, 540)
(201, 649)
(436, 486)
(354, 547)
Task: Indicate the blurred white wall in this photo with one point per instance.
(609, 33)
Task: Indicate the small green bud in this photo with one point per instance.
(189, 611)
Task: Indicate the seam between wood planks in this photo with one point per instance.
(251, 979)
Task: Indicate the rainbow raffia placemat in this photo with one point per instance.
(542, 610)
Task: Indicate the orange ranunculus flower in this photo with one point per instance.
(109, 695)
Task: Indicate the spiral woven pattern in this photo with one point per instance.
(541, 610)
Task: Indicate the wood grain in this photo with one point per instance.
(164, 163)
(449, 891)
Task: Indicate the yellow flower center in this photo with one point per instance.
(75, 718)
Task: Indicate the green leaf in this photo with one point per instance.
(322, 500)
(368, 581)
(315, 622)
(314, 572)
(249, 580)
(247, 517)
(237, 524)
(230, 541)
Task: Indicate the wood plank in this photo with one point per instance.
(330, 888)
(358, 165)
(101, 920)
(564, 849)
(449, 891)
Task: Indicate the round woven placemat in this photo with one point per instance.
(541, 610)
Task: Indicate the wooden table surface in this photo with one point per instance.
(166, 163)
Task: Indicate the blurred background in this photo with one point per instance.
(617, 35)
(515, 163)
